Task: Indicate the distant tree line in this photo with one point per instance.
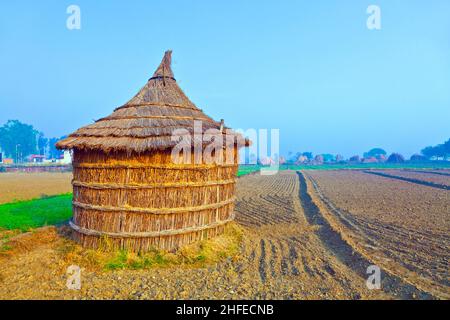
(375, 152)
(438, 152)
(19, 140)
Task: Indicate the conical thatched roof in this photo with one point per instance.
(147, 121)
(396, 158)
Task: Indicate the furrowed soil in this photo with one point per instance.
(293, 247)
(439, 180)
(402, 226)
(26, 186)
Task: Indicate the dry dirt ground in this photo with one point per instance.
(25, 186)
(402, 226)
(439, 179)
(294, 247)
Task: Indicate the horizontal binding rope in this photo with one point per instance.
(174, 126)
(162, 77)
(149, 234)
(157, 104)
(157, 117)
(154, 210)
(154, 166)
(150, 185)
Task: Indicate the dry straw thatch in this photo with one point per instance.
(126, 186)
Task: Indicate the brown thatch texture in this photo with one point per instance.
(141, 201)
(126, 187)
(147, 121)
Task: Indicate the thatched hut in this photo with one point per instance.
(354, 159)
(418, 158)
(126, 186)
(396, 158)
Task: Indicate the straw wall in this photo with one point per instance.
(144, 201)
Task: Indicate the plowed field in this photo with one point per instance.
(306, 236)
(402, 226)
(433, 179)
(26, 186)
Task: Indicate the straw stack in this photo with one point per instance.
(126, 187)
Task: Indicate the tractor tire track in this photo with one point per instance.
(334, 242)
(431, 172)
(262, 261)
(284, 261)
(287, 254)
(411, 180)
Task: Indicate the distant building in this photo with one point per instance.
(8, 161)
(369, 160)
(266, 161)
(66, 157)
(318, 160)
(302, 159)
(36, 158)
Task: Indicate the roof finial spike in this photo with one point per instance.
(164, 69)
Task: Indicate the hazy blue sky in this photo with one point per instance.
(310, 68)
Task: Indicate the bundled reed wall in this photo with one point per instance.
(125, 184)
(144, 201)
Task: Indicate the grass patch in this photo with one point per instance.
(17, 241)
(5, 236)
(26, 215)
(198, 254)
(246, 169)
(49, 210)
(4, 248)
